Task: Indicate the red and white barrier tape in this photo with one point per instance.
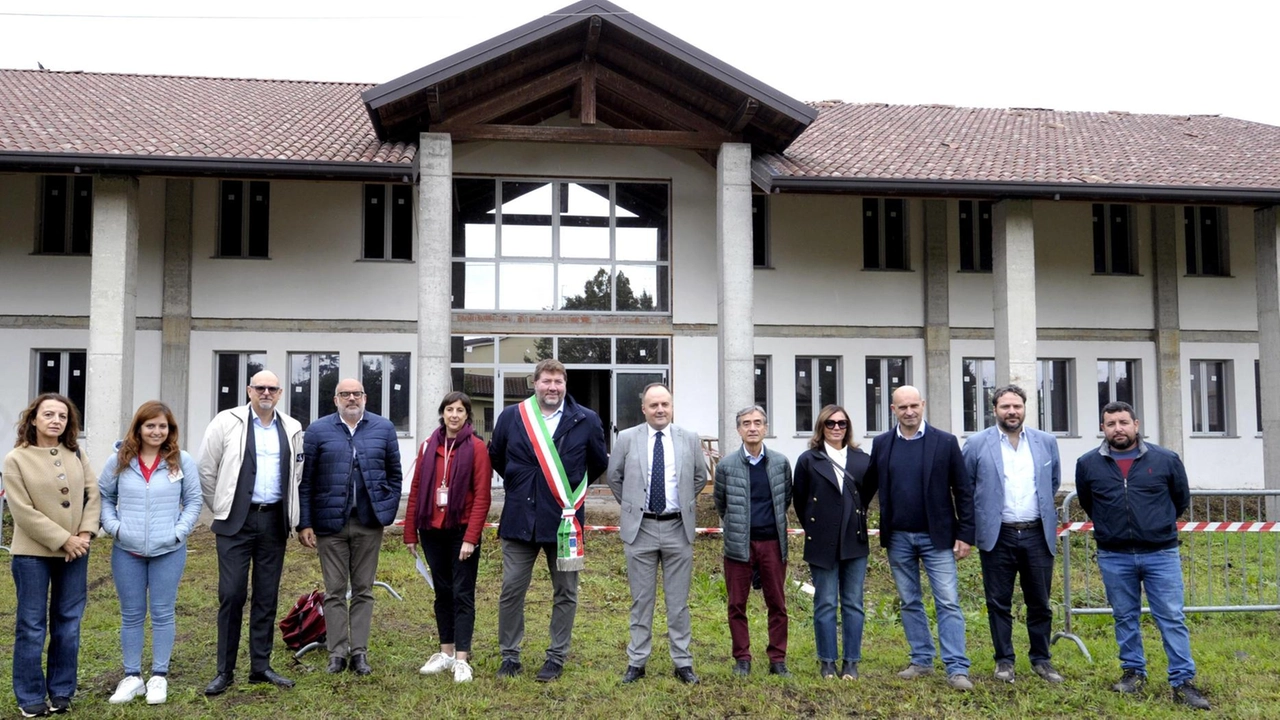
(1212, 527)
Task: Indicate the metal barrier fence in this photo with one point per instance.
(1230, 558)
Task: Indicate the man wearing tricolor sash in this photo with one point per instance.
(547, 449)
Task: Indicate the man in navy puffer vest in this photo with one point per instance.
(350, 491)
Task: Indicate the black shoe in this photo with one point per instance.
(336, 665)
(826, 669)
(219, 684)
(59, 705)
(632, 674)
(685, 675)
(849, 671)
(360, 664)
(509, 669)
(1130, 682)
(742, 668)
(1190, 695)
(270, 676)
(550, 671)
(37, 710)
(779, 669)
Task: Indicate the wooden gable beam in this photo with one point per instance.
(435, 113)
(590, 136)
(513, 98)
(656, 103)
(584, 100)
(743, 117)
(623, 57)
(593, 36)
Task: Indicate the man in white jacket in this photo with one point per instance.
(250, 467)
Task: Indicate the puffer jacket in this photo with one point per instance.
(324, 494)
(1138, 513)
(150, 518)
(733, 500)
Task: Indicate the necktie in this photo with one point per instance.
(658, 477)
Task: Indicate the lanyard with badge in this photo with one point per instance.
(442, 493)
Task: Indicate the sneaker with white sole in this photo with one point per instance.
(461, 671)
(157, 690)
(129, 688)
(438, 663)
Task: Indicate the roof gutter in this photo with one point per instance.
(200, 167)
(981, 190)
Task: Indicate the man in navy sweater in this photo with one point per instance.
(926, 517)
(1134, 492)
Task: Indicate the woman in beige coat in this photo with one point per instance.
(53, 495)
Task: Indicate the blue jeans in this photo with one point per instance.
(907, 550)
(51, 597)
(841, 584)
(1125, 574)
(137, 578)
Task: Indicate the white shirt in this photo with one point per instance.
(668, 470)
(266, 443)
(837, 457)
(753, 459)
(919, 433)
(1019, 481)
(552, 420)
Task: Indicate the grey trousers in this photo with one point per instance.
(349, 557)
(518, 558)
(660, 542)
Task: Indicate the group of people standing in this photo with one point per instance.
(338, 486)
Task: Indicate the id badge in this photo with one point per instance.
(442, 496)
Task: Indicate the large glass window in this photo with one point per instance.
(233, 371)
(975, 235)
(978, 383)
(884, 375)
(1210, 397)
(1113, 241)
(1205, 233)
(386, 386)
(388, 222)
(63, 372)
(1053, 378)
(1118, 382)
(762, 381)
(244, 218)
(66, 215)
(572, 246)
(817, 385)
(884, 234)
(313, 380)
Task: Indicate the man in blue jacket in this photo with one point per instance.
(1134, 492)
(350, 491)
(547, 449)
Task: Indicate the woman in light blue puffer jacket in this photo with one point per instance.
(150, 502)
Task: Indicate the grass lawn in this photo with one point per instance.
(1236, 654)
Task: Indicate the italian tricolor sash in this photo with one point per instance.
(569, 546)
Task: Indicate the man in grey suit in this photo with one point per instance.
(1016, 473)
(656, 472)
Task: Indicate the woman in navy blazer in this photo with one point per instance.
(828, 477)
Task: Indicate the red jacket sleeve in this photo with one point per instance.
(481, 492)
(411, 511)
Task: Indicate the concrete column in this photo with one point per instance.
(435, 278)
(736, 323)
(1013, 260)
(1164, 242)
(937, 315)
(175, 312)
(113, 288)
(1266, 230)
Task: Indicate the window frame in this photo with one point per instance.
(244, 357)
(77, 216)
(981, 395)
(390, 222)
(975, 234)
(1107, 252)
(1226, 390)
(817, 390)
(65, 369)
(385, 399)
(1135, 384)
(252, 221)
(884, 406)
(881, 239)
(1193, 240)
(762, 366)
(320, 403)
(1046, 404)
(761, 247)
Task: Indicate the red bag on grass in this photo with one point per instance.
(305, 622)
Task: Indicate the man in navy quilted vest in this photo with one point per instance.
(350, 491)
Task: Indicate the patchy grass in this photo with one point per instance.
(1235, 653)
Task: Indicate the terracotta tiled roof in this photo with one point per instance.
(943, 143)
(188, 117)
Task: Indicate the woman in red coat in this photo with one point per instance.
(448, 504)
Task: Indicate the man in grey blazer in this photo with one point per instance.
(1016, 473)
(656, 471)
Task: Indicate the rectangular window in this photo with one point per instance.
(817, 385)
(561, 246)
(233, 371)
(313, 379)
(1053, 380)
(760, 232)
(66, 215)
(63, 372)
(1117, 382)
(1210, 396)
(388, 222)
(884, 234)
(978, 383)
(975, 235)
(1257, 392)
(884, 375)
(244, 216)
(1205, 233)
(762, 382)
(1113, 244)
(386, 385)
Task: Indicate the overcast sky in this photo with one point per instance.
(1149, 57)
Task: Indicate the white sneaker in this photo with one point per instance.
(461, 671)
(129, 688)
(157, 690)
(437, 664)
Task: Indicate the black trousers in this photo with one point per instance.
(455, 581)
(258, 548)
(1022, 554)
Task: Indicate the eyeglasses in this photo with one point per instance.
(265, 389)
(345, 394)
(836, 424)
